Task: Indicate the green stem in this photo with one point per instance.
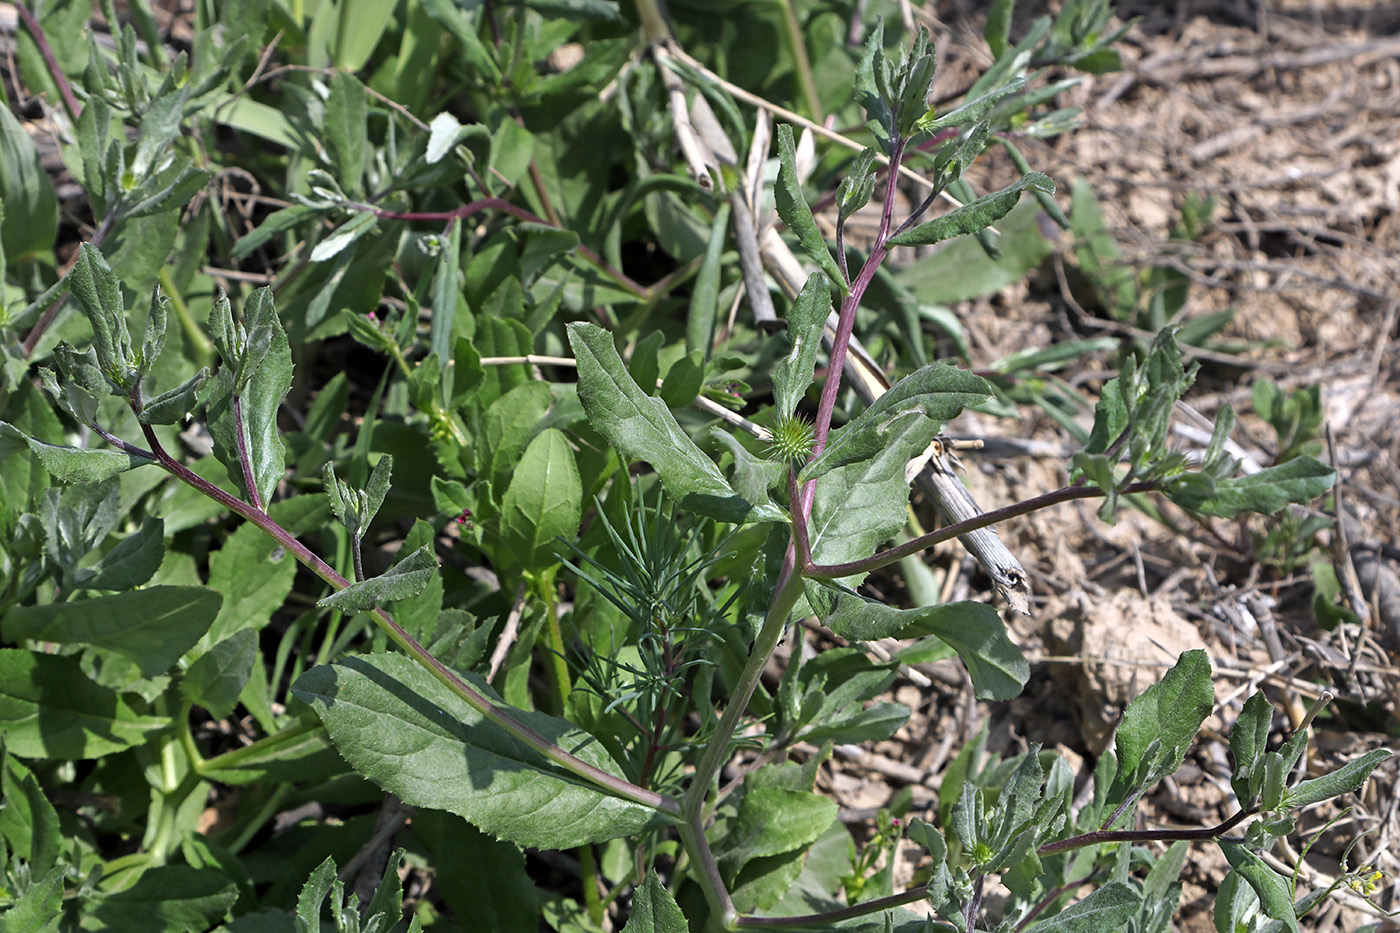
(588, 867)
(559, 668)
(203, 347)
(718, 748)
(258, 749)
(923, 542)
(802, 65)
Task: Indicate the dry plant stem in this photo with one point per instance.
(671, 50)
(885, 558)
(594, 775)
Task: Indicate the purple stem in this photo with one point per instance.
(240, 437)
(36, 31)
(609, 782)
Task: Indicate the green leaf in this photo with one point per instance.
(171, 406)
(1108, 908)
(167, 899)
(50, 709)
(793, 209)
(274, 224)
(400, 727)
(1169, 713)
(30, 219)
(1249, 739)
(961, 268)
(254, 573)
(353, 229)
(406, 578)
(1235, 905)
(507, 429)
(643, 427)
(28, 821)
(215, 680)
(938, 392)
(973, 216)
(997, 30)
(974, 630)
(793, 373)
(1274, 894)
(131, 563)
(84, 465)
(862, 504)
(261, 379)
(347, 128)
(313, 895)
(39, 909)
(99, 294)
(654, 910)
(1299, 480)
(168, 190)
(772, 821)
(360, 26)
(683, 380)
(858, 186)
(973, 110)
(1344, 780)
(153, 627)
(543, 501)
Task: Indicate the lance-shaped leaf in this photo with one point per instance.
(654, 910)
(69, 464)
(1108, 908)
(173, 404)
(30, 220)
(793, 209)
(973, 216)
(261, 377)
(131, 563)
(1274, 894)
(793, 373)
(1249, 739)
(974, 630)
(153, 627)
(218, 676)
(50, 709)
(543, 501)
(1265, 492)
(403, 729)
(168, 190)
(408, 577)
(858, 186)
(1160, 724)
(99, 293)
(346, 128)
(971, 111)
(1344, 780)
(938, 391)
(640, 426)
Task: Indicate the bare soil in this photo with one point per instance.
(1289, 115)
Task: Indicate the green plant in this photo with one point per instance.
(132, 634)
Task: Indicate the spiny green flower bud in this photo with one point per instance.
(792, 440)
